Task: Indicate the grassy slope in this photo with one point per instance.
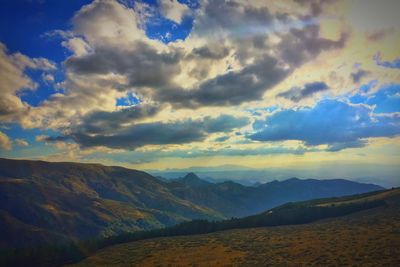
(42, 202)
(366, 238)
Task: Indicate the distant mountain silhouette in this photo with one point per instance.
(44, 202)
(191, 180)
(236, 200)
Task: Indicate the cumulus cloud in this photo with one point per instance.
(152, 68)
(223, 62)
(13, 79)
(226, 17)
(77, 46)
(302, 45)
(5, 142)
(332, 122)
(108, 23)
(173, 10)
(142, 66)
(106, 122)
(232, 88)
(298, 93)
(155, 133)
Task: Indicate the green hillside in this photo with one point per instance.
(42, 202)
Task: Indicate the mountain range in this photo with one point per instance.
(47, 202)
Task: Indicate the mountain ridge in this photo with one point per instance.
(43, 202)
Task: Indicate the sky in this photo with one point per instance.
(311, 86)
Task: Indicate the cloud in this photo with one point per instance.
(232, 88)
(296, 94)
(173, 10)
(378, 35)
(108, 23)
(77, 46)
(21, 142)
(215, 52)
(222, 138)
(332, 122)
(302, 45)
(47, 78)
(221, 16)
(13, 80)
(222, 63)
(112, 56)
(100, 122)
(340, 146)
(5, 142)
(316, 6)
(142, 65)
(158, 133)
(358, 75)
(139, 156)
(395, 64)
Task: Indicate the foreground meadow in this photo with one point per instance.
(367, 238)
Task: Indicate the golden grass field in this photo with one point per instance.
(367, 238)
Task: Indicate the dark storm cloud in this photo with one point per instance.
(316, 6)
(206, 52)
(358, 75)
(159, 133)
(301, 45)
(228, 15)
(296, 93)
(105, 122)
(232, 88)
(332, 122)
(143, 65)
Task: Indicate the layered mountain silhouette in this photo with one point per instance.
(43, 202)
(236, 200)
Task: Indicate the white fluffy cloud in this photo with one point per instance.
(5, 142)
(13, 79)
(173, 10)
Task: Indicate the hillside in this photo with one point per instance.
(42, 202)
(365, 238)
(48, 203)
